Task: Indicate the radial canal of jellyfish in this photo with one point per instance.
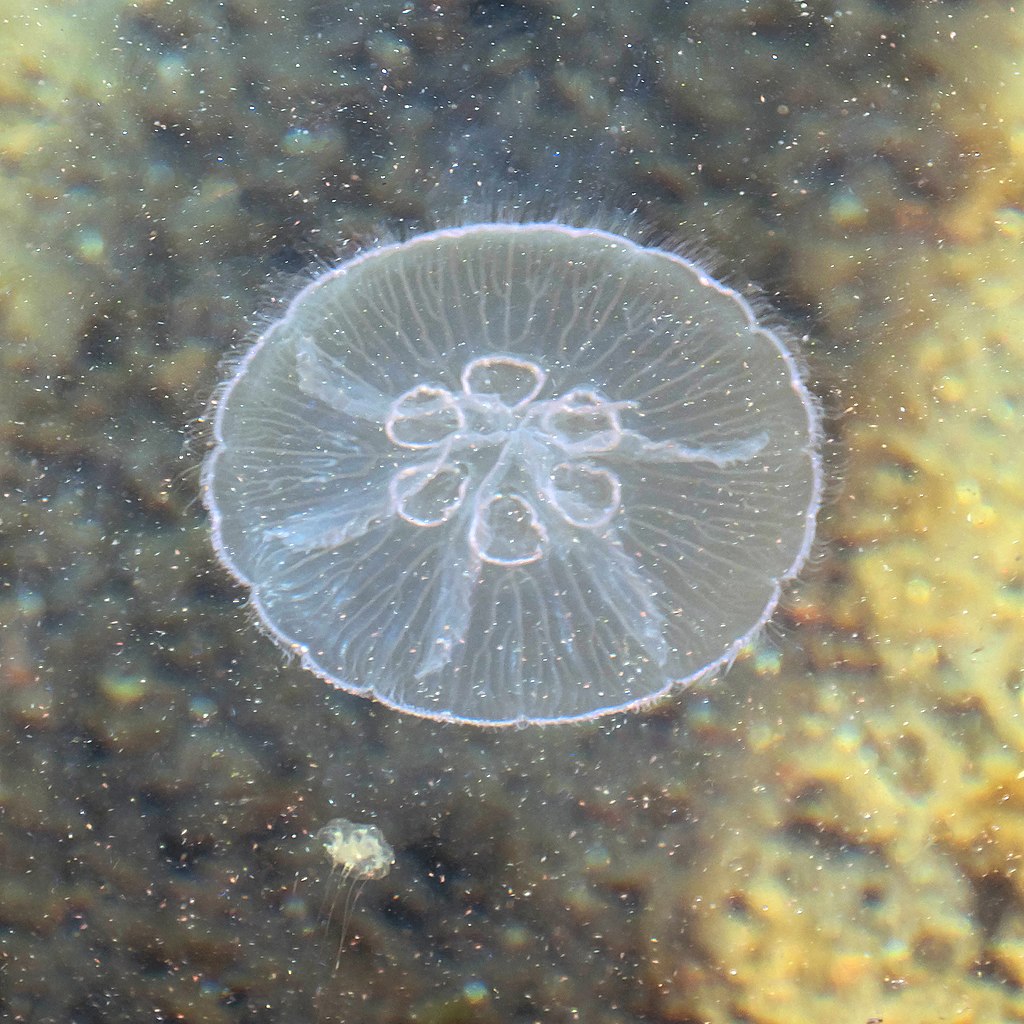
(515, 473)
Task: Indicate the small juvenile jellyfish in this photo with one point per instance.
(357, 853)
(515, 473)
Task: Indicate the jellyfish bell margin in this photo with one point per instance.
(510, 474)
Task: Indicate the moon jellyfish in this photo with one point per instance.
(515, 473)
(357, 854)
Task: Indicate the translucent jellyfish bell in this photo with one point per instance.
(515, 473)
(359, 851)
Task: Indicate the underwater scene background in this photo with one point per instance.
(831, 832)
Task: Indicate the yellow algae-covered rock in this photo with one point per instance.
(52, 264)
(827, 884)
(872, 850)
